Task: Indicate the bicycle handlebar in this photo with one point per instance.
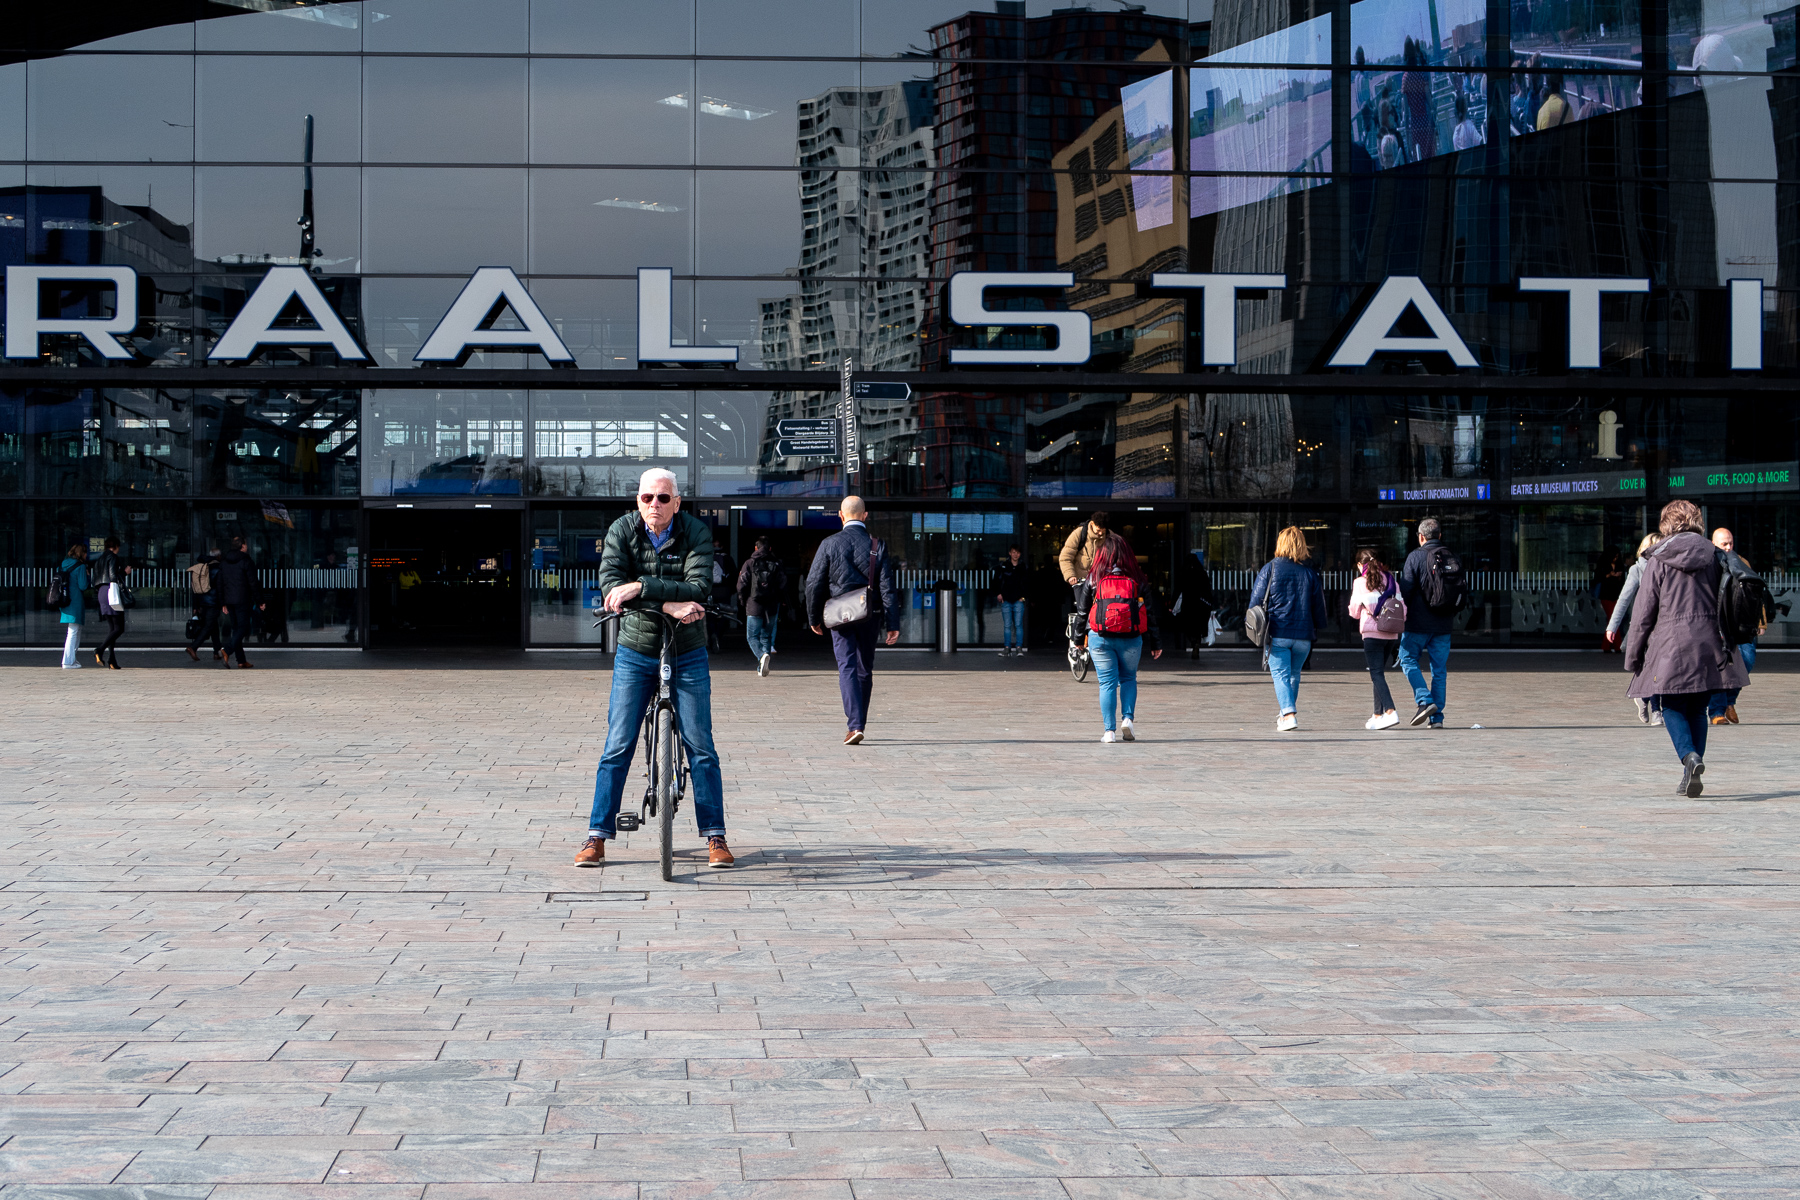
(705, 610)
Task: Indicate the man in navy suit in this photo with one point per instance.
(842, 566)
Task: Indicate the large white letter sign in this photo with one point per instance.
(25, 319)
(1746, 323)
(1074, 330)
(1218, 309)
(1369, 336)
(1584, 310)
(656, 288)
(253, 327)
(465, 326)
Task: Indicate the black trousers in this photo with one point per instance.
(209, 627)
(1375, 652)
(108, 649)
(240, 619)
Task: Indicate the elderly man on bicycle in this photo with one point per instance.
(658, 558)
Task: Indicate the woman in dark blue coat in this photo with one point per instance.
(1290, 592)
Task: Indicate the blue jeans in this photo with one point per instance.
(1012, 623)
(1716, 706)
(633, 685)
(1436, 648)
(1116, 665)
(1285, 658)
(761, 633)
(1684, 716)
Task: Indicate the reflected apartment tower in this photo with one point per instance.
(865, 192)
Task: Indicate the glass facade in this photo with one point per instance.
(814, 172)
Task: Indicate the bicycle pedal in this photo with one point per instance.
(628, 822)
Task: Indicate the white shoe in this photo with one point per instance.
(1372, 723)
(1109, 737)
(1386, 720)
(1127, 733)
(71, 666)
(1287, 723)
(762, 665)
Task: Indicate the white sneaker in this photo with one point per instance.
(1643, 710)
(71, 666)
(762, 665)
(1287, 723)
(1372, 723)
(1127, 733)
(1109, 737)
(1386, 720)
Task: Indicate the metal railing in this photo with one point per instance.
(160, 578)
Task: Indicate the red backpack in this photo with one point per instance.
(1119, 606)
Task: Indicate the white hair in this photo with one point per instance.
(654, 473)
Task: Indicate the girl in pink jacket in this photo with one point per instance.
(1381, 615)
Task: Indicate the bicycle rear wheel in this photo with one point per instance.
(665, 790)
(1078, 661)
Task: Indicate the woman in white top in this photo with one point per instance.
(1375, 601)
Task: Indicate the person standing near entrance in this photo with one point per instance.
(846, 561)
(1432, 585)
(724, 589)
(658, 558)
(1722, 709)
(109, 575)
(1674, 650)
(759, 587)
(238, 588)
(74, 574)
(1291, 594)
(1010, 583)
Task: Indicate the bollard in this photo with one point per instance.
(946, 615)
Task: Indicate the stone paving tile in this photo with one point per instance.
(340, 954)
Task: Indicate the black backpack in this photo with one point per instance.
(762, 580)
(1443, 589)
(58, 595)
(1745, 603)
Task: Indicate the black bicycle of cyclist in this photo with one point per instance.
(665, 762)
(1079, 659)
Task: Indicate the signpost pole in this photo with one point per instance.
(852, 450)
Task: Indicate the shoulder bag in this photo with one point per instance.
(859, 604)
(1389, 613)
(1256, 617)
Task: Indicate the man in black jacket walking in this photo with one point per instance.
(841, 566)
(1427, 633)
(239, 593)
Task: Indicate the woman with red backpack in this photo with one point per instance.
(1381, 616)
(1121, 618)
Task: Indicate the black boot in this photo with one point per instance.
(1691, 770)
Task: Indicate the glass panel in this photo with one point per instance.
(440, 443)
(597, 318)
(249, 216)
(255, 108)
(1542, 100)
(13, 82)
(401, 313)
(130, 108)
(443, 219)
(1725, 126)
(611, 111)
(730, 313)
(598, 443)
(444, 110)
(611, 222)
(1411, 112)
(152, 539)
(739, 446)
(802, 113)
(611, 27)
(1254, 120)
(286, 27)
(446, 26)
(756, 222)
(277, 443)
(565, 573)
(1048, 30)
(814, 28)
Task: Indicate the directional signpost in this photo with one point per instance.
(803, 437)
(883, 391)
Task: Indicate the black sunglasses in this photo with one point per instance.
(654, 498)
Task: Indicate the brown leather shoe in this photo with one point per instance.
(592, 853)
(1721, 719)
(718, 854)
(854, 737)
(191, 654)
(1731, 713)
(245, 666)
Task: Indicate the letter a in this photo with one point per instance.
(1369, 336)
(252, 330)
(466, 326)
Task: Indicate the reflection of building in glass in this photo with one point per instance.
(865, 197)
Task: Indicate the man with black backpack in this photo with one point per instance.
(759, 586)
(1434, 589)
(1745, 608)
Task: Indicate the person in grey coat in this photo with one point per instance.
(1647, 710)
(1674, 650)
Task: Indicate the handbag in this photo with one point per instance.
(1389, 617)
(194, 625)
(857, 605)
(114, 599)
(1256, 619)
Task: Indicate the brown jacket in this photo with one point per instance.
(1078, 552)
(1674, 647)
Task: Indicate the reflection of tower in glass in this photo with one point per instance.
(865, 194)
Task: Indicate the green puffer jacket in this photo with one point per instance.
(681, 570)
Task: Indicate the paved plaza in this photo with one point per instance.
(310, 932)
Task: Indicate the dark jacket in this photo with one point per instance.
(746, 585)
(235, 580)
(1292, 595)
(727, 571)
(1420, 619)
(681, 570)
(108, 568)
(1194, 589)
(1152, 636)
(1011, 582)
(1674, 646)
(842, 566)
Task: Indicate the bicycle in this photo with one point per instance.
(665, 760)
(1079, 658)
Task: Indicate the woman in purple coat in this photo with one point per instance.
(1675, 651)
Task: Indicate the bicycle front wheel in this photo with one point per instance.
(1078, 662)
(665, 790)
